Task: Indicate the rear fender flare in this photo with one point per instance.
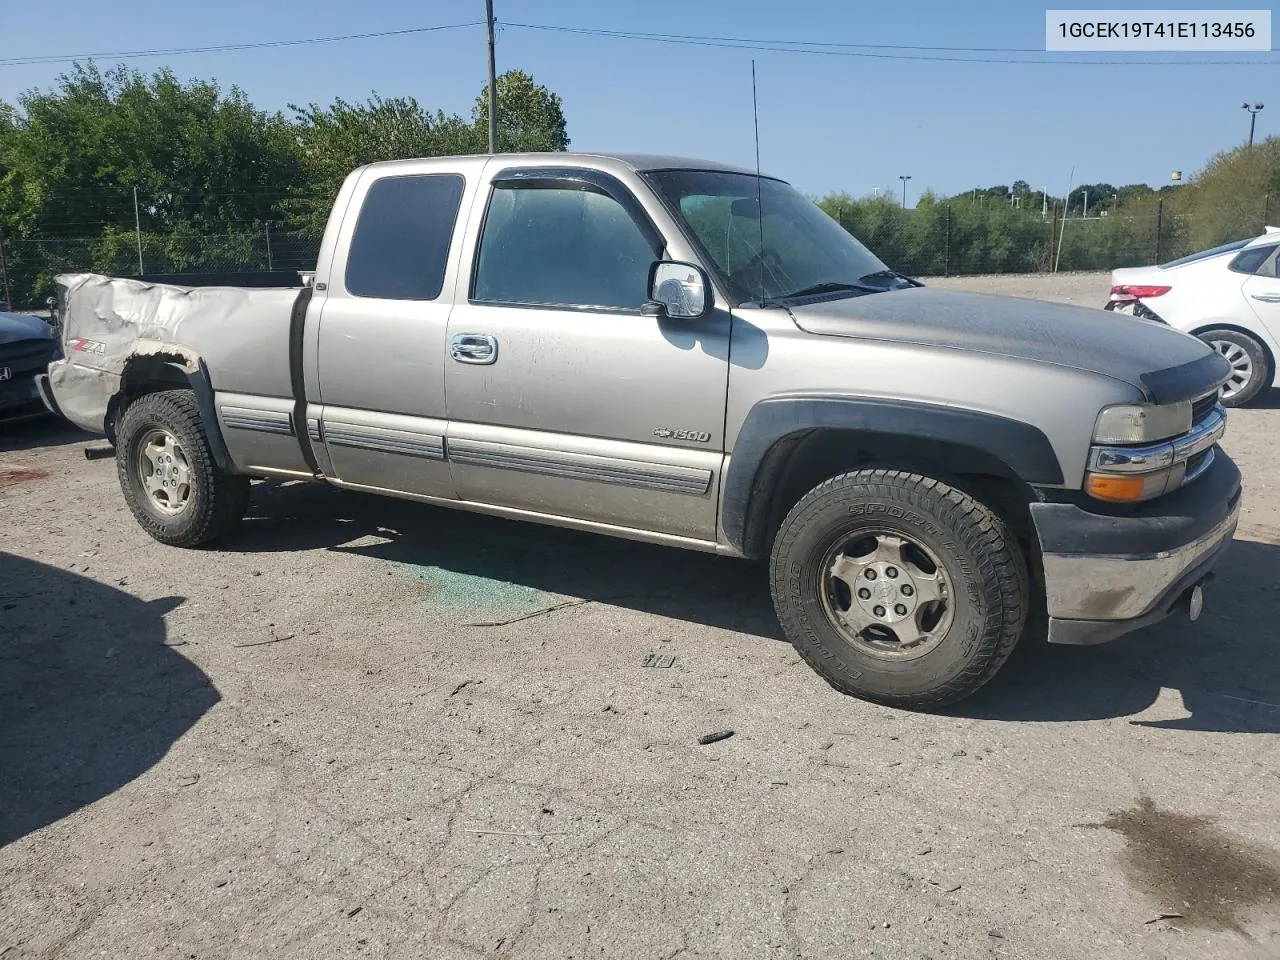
(180, 368)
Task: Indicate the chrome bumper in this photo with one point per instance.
(1092, 599)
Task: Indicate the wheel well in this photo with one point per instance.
(142, 375)
(1236, 328)
(797, 463)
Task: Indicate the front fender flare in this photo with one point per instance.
(1021, 447)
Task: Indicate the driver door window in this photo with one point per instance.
(561, 247)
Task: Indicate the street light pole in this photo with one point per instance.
(904, 180)
(1253, 118)
(1044, 201)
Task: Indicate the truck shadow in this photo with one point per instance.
(90, 695)
(1223, 665)
(669, 582)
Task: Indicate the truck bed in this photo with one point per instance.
(240, 334)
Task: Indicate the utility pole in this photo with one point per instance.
(1044, 201)
(1253, 118)
(904, 180)
(1085, 215)
(266, 229)
(137, 228)
(493, 82)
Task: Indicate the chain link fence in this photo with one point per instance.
(956, 239)
(933, 239)
(30, 264)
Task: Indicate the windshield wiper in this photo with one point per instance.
(832, 286)
(889, 275)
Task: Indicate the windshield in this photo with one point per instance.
(805, 252)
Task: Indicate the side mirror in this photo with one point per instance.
(679, 291)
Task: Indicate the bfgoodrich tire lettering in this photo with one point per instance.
(980, 570)
(211, 501)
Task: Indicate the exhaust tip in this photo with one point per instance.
(100, 452)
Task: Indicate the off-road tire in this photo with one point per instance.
(217, 500)
(1259, 363)
(980, 558)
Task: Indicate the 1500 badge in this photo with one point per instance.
(701, 436)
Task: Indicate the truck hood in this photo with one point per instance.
(20, 326)
(1165, 364)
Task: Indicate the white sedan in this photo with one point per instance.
(1228, 296)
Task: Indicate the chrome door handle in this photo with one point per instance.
(473, 348)
(1267, 297)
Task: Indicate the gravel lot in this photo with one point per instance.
(373, 728)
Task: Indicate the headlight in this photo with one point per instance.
(1142, 422)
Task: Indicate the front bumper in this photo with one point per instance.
(1107, 572)
(19, 400)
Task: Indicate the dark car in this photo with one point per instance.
(27, 345)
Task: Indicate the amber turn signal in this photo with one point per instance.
(1118, 489)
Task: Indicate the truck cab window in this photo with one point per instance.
(561, 246)
(401, 241)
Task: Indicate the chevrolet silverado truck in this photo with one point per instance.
(693, 355)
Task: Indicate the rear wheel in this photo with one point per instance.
(899, 588)
(1250, 366)
(169, 478)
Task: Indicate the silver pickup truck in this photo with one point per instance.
(689, 354)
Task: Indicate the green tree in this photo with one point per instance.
(71, 157)
(1097, 194)
(530, 117)
(336, 139)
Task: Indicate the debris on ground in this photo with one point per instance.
(462, 686)
(1163, 916)
(659, 660)
(515, 833)
(263, 643)
(528, 616)
(716, 737)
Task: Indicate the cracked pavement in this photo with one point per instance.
(301, 744)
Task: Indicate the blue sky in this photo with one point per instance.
(826, 122)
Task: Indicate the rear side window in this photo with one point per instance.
(1256, 260)
(561, 246)
(401, 242)
(1205, 254)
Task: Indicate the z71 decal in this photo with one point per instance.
(701, 436)
(81, 345)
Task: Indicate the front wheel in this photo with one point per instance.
(1250, 365)
(898, 588)
(169, 478)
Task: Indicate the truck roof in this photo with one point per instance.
(636, 161)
